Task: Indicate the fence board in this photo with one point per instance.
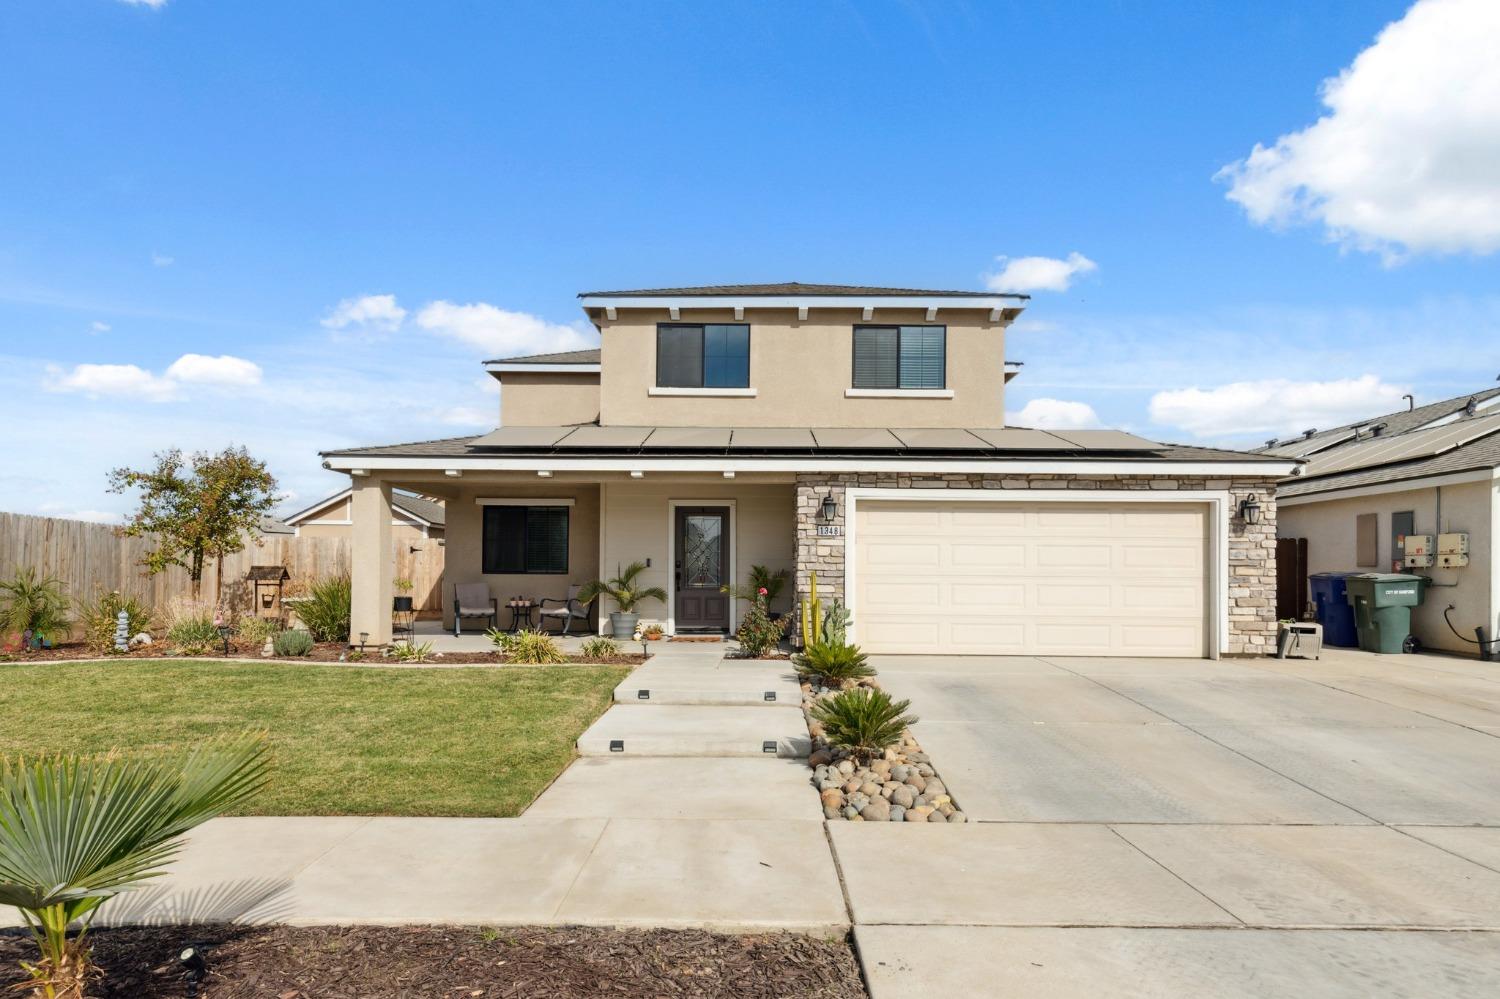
(91, 557)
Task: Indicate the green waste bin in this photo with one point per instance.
(1382, 603)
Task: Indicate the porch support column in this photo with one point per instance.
(371, 565)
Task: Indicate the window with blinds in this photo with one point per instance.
(900, 357)
(525, 540)
(714, 355)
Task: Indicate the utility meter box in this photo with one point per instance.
(1418, 551)
(1453, 551)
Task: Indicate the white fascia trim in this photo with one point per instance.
(720, 463)
(555, 369)
(1220, 503)
(523, 501)
(1013, 367)
(1009, 303)
(1381, 488)
(855, 393)
(711, 393)
(301, 515)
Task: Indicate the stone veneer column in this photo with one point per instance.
(1252, 548)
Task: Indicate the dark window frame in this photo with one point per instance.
(702, 329)
(898, 327)
(491, 567)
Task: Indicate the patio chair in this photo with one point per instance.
(473, 600)
(568, 610)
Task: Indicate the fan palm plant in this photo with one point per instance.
(32, 603)
(830, 664)
(626, 591)
(864, 721)
(75, 831)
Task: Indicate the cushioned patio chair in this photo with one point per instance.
(568, 610)
(473, 600)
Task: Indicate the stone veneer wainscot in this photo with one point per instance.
(1252, 547)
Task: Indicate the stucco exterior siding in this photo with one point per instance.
(1328, 526)
(548, 399)
(801, 370)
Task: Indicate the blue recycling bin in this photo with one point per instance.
(1334, 612)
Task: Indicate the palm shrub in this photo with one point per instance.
(101, 614)
(864, 721)
(75, 831)
(292, 642)
(29, 602)
(601, 648)
(831, 665)
(536, 648)
(624, 589)
(326, 609)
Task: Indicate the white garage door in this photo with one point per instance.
(1016, 578)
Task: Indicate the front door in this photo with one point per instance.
(702, 566)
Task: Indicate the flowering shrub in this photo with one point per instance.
(758, 634)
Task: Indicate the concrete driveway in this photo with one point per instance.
(1161, 828)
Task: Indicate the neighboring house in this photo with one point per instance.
(854, 432)
(1428, 471)
(412, 518)
(270, 527)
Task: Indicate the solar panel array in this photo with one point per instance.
(1403, 447)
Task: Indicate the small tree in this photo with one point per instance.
(196, 509)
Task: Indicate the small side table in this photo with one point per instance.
(523, 613)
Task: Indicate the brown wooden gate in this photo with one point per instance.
(1291, 578)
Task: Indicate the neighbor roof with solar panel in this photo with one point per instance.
(1403, 447)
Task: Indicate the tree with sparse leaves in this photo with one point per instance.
(199, 508)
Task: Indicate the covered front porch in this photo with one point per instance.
(538, 536)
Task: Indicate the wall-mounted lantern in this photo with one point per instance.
(1250, 509)
(830, 508)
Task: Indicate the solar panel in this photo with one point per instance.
(1107, 440)
(1022, 439)
(1404, 447)
(768, 437)
(854, 438)
(671, 437)
(591, 436)
(522, 437)
(941, 439)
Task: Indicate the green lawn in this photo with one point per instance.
(346, 740)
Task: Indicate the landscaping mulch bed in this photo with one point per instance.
(317, 962)
(323, 652)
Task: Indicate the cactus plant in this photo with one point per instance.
(812, 613)
(836, 624)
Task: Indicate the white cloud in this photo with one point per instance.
(68, 513)
(1038, 273)
(114, 379)
(97, 327)
(377, 313)
(221, 370)
(1405, 160)
(1054, 414)
(162, 260)
(499, 332)
(1275, 406)
(467, 416)
(153, 4)
(134, 382)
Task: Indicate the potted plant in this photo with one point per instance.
(626, 591)
(403, 589)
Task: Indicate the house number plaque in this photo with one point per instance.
(830, 531)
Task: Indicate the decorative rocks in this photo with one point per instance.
(900, 786)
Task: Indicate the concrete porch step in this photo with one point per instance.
(692, 730)
(743, 682)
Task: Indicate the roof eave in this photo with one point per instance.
(1002, 307)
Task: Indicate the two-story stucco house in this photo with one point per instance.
(854, 432)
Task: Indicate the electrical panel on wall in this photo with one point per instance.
(1418, 548)
(1452, 550)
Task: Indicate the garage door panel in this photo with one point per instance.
(1031, 578)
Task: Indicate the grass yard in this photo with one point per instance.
(346, 740)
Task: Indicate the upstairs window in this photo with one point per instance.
(525, 539)
(900, 357)
(714, 355)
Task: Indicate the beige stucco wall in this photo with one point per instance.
(548, 399)
(800, 371)
(637, 526)
(335, 521)
(464, 562)
(1328, 526)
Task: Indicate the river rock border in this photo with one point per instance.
(903, 786)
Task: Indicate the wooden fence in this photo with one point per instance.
(91, 557)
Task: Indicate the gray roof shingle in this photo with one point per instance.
(1395, 423)
(1479, 454)
(590, 356)
(793, 288)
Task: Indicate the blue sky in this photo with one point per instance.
(190, 189)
